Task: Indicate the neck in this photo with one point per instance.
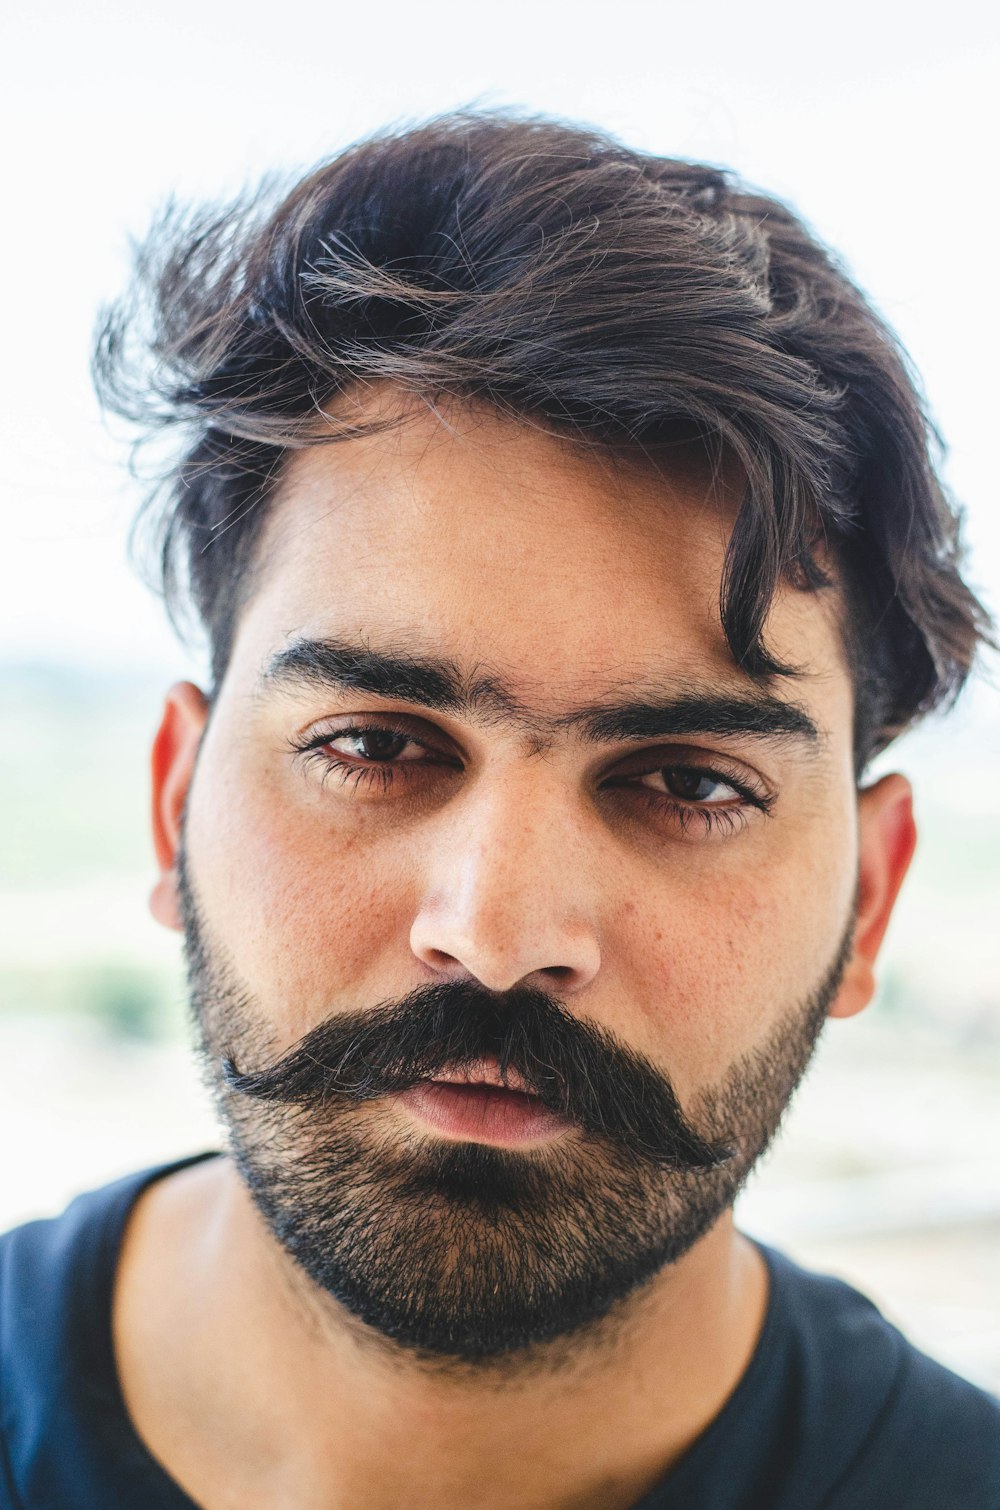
(231, 1363)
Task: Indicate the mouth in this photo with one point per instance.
(475, 1103)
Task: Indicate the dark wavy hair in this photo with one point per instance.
(624, 299)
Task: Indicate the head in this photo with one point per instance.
(563, 527)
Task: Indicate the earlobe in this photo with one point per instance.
(887, 837)
(175, 751)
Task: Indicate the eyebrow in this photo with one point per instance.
(438, 684)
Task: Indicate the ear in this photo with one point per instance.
(175, 750)
(887, 836)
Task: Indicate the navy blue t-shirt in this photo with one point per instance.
(836, 1411)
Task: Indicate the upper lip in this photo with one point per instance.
(483, 1072)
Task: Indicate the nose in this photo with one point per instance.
(507, 897)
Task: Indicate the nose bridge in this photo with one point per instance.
(508, 892)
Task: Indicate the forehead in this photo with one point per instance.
(493, 542)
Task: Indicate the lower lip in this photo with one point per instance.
(483, 1113)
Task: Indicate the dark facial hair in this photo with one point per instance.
(467, 1251)
(574, 1068)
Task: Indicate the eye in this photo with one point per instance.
(692, 798)
(377, 756)
(374, 745)
(693, 784)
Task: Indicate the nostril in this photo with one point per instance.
(518, 957)
(438, 959)
(561, 974)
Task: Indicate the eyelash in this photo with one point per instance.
(720, 820)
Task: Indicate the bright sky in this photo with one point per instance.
(879, 122)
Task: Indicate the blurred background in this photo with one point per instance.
(879, 123)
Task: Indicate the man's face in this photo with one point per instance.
(482, 741)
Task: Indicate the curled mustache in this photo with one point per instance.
(574, 1068)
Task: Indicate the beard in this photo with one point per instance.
(464, 1251)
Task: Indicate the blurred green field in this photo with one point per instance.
(76, 860)
(72, 774)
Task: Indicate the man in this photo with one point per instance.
(562, 525)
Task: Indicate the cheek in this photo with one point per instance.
(307, 913)
(710, 963)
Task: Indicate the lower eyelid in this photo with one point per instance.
(349, 774)
(712, 819)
